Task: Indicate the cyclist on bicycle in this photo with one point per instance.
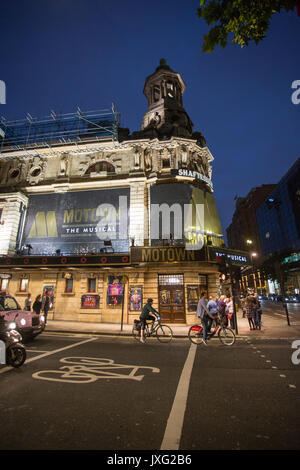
(145, 315)
(206, 316)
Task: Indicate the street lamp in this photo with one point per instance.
(253, 255)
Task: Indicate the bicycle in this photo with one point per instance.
(225, 335)
(163, 333)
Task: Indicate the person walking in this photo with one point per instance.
(257, 312)
(249, 304)
(243, 305)
(204, 314)
(221, 309)
(46, 306)
(37, 304)
(230, 312)
(27, 305)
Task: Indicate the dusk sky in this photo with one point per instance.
(61, 54)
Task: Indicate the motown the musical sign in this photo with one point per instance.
(165, 254)
(239, 258)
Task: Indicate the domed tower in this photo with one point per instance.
(166, 116)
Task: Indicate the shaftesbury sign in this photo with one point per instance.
(168, 254)
(192, 174)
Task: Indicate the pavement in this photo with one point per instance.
(273, 327)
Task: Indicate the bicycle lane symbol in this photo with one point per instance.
(90, 369)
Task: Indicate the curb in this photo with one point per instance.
(119, 333)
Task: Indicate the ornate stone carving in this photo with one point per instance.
(137, 158)
(36, 170)
(184, 156)
(148, 159)
(64, 164)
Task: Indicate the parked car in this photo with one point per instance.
(262, 297)
(295, 298)
(28, 324)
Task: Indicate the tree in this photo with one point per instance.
(248, 20)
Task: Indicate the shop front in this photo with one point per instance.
(115, 289)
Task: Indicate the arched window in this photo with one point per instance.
(100, 166)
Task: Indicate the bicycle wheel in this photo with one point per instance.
(226, 336)
(195, 334)
(164, 334)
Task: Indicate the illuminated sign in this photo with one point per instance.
(77, 222)
(168, 254)
(239, 258)
(289, 259)
(192, 174)
(90, 301)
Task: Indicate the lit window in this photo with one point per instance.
(92, 284)
(69, 285)
(24, 285)
(3, 284)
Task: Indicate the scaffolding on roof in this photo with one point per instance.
(59, 129)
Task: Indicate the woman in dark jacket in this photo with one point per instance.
(37, 305)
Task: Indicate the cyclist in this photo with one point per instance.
(205, 315)
(145, 315)
(213, 310)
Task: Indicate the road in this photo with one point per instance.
(277, 310)
(88, 392)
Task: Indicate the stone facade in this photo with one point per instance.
(155, 155)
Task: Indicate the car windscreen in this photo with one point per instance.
(8, 303)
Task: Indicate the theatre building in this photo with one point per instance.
(103, 219)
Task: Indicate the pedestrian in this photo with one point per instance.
(243, 306)
(221, 309)
(27, 305)
(37, 304)
(46, 305)
(230, 312)
(257, 312)
(203, 314)
(249, 304)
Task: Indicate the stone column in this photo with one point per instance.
(137, 211)
(11, 204)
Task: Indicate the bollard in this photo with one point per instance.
(287, 313)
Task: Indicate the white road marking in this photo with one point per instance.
(49, 353)
(35, 351)
(171, 439)
(90, 369)
(59, 350)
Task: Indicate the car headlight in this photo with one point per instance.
(23, 321)
(12, 325)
